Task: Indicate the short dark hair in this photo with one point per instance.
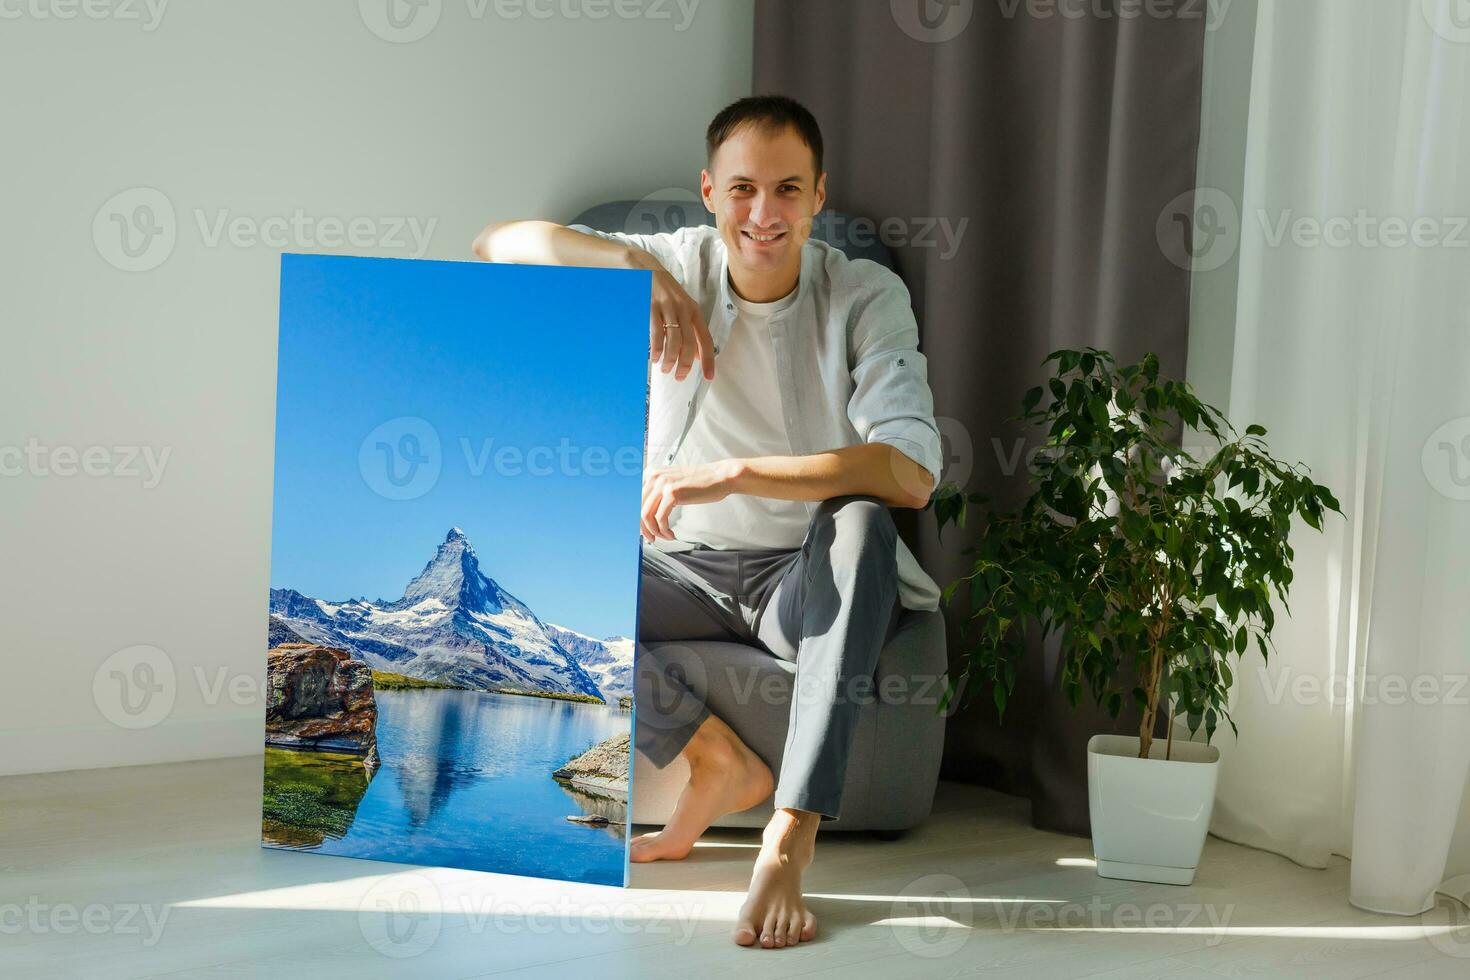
(771, 113)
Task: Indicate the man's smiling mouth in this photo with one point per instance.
(763, 239)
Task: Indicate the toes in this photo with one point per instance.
(768, 932)
(793, 930)
(808, 927)
(745, 934)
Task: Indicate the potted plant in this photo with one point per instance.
(1152, 568)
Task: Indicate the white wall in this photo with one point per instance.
(252, 110)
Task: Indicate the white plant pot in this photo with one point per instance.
(1150, 816)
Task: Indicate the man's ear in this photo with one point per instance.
(821, 193)
(707, 190)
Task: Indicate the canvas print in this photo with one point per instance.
(454, 564)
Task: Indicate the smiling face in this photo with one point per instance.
(763, 191)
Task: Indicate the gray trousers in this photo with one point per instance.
(829, 606)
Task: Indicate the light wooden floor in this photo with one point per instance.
(156, 871)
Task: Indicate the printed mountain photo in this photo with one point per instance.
(479, 715)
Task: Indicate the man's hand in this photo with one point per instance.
(668, 486)
(676, 330)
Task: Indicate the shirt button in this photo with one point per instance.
(729, 306)
(901, 362)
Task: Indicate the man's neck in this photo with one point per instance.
(764, 288)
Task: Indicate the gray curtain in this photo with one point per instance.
(1059, 153)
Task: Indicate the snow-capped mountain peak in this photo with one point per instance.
(453, 623)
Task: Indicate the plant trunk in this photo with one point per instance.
(1151, 682)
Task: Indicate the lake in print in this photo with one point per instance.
(465, 781)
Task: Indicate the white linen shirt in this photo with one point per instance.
(848, 366)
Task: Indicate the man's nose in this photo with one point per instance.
(761, 210)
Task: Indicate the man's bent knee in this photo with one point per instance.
(860, 518)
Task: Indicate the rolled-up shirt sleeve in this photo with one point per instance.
(891, 401)
(670, 248)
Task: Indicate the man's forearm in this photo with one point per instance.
(874, 469)
(548, 243)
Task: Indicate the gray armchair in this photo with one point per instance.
(893, 768)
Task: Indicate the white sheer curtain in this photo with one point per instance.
(1352, 345)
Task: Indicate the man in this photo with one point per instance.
(765, 502)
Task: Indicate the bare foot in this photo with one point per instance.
(774, 915)
(725, 776)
